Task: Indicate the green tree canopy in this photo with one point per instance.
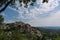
(1, 19)
(5, 3)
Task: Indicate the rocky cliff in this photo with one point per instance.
(23, 28)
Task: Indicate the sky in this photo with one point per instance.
(41, 14)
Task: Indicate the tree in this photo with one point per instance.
(5, 3)
(12, 2)
(45, 1)
(1, 19)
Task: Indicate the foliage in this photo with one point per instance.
(1, 19)
(11, 3)
(5, 3)
(16, 34)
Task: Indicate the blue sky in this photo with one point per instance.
(47, 14)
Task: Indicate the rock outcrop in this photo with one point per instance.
(22, 31)
(22, 27)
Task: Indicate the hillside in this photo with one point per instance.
(19, 31)
(24, 31)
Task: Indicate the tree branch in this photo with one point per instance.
(5, 6)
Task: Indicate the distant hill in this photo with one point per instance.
(49, 29)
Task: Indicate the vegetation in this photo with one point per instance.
(14, 31)
(12, 3)
(22, 32)
(1, 19)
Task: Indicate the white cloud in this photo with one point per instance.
(53, 20)
(37, 10)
